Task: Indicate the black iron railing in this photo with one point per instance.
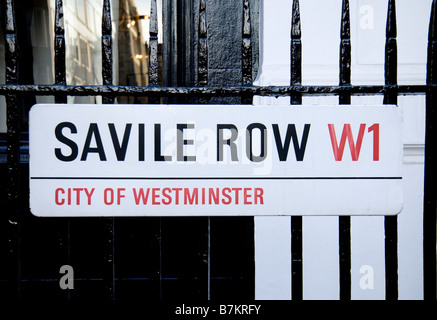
(14, 144)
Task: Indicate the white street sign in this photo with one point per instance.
(215, 160)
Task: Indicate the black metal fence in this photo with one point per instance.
(145, 236)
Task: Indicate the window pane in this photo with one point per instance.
(132, 48)
(83, 45)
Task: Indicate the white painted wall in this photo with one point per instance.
(320, 44)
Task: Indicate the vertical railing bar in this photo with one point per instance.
(13, 153)
(60, 78)
(430, 185)
(153, 50)
(296, 221)
(154, 81)
(159, 238)
(202, 80)
(246, 56)
(246, 51)
(391, 222)
(345, 98)
(209, 257)
(109, 268)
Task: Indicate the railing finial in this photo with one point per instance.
(106, 43)
(296, 51)
(345, 50)
(431, 74)
(60, 74)
(246, 46)
(153, 45)
(391, 54)
(202, 67)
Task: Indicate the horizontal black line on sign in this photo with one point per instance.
(216, 178)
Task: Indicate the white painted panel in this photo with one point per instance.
(410, 243)
(368, 24)
(320, 41)
(272, 258)
(368, 260)
(367, 245)
(320, 258)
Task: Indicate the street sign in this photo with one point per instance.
(215, 160)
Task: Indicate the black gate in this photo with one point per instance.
(122, 258)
